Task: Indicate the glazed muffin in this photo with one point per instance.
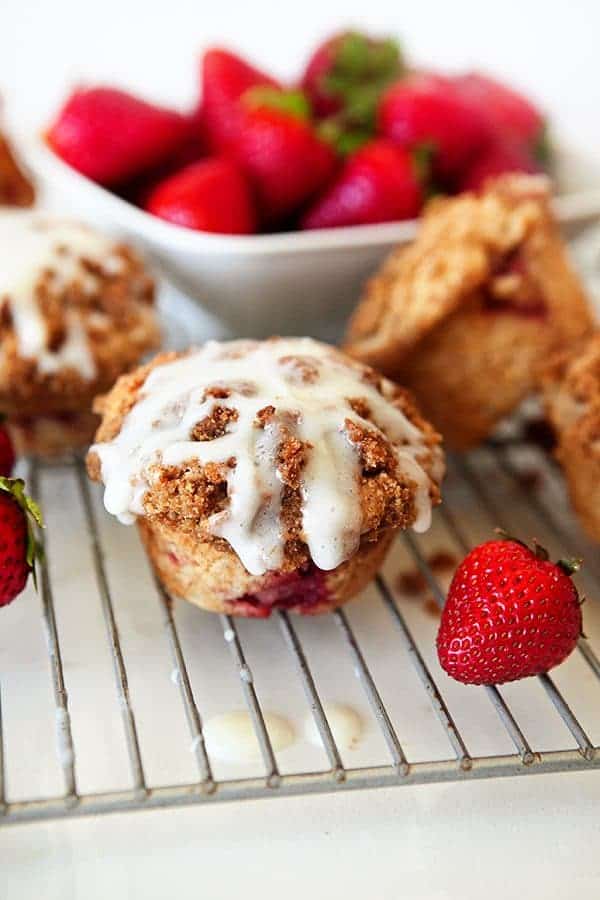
(467, 314)
(15, 187)
(571, 387)
(76, 311)
(265, 474)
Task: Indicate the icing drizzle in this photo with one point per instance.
(309, 384)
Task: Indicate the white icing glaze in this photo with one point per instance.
(230, 736)
(345, 723)
(30, 245)
(173, 400)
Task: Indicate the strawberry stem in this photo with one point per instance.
(501, 532)
(294, 103)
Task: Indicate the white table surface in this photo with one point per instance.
(539, 837)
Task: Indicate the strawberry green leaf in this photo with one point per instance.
(295, 103)
(344, 141)
(571, 565)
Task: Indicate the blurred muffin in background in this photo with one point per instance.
(467, 314)
(571, 388)
(76, 311)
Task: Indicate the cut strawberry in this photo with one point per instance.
(425, 111)
(225, 77)
(111, 136)
(378, 184)
(210, 195)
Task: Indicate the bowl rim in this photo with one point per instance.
(570, 208)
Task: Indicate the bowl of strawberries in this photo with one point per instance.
(270, 203)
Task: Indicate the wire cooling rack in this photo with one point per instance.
(377, 654)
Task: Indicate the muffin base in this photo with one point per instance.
(52, 437)
(214, 578)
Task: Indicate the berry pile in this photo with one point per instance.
(360, 138)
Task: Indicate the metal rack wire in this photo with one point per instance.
(460, 765)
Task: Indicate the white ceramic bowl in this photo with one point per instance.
(304, 282)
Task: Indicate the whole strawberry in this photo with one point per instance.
(209, 195)
(283, 156)
(112, 136)
(427, 112)
(379, 183)
(18, 546)
(510, 613)
(346, 75)
(225, 77)
(7, 450)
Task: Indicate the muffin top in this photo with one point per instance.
(487, 245)
(76, 309)
(282, 450)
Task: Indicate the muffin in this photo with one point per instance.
(76, 311)
(265, 475)
(571, 387)
(467, 314)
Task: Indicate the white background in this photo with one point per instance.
(550, 48)
(537, 837)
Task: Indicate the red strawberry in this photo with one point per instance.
(348, 72)
(111, 136)
(18, 547)
(428, 112)
(7, 451)
(225, 77)
(499, 157)
(210, 195)
(378, 184)
(287, 162)
(508, 112)
(510, 613)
